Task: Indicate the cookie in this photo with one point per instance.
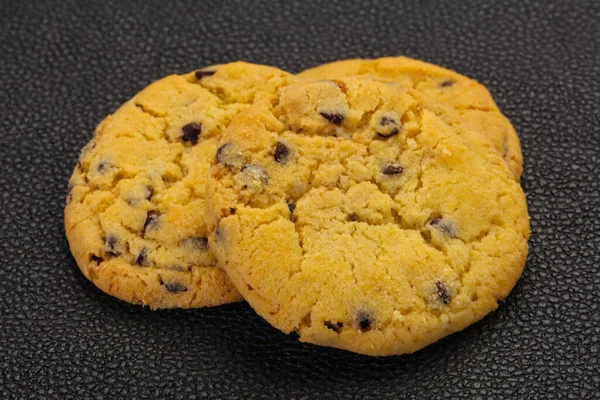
(350, 213)
(135, 213)
(471, 99)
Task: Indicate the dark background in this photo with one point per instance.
(66, 64)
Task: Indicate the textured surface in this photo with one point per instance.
(376, 244)
(135, 210)
(65, 65)
(469, 98)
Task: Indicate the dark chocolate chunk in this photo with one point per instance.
(201, 73)
(103, 166)
(337, 327)
(447, 83)
(291, 207)
(221, 152)
(232, 210)
(364, 321)
(111, 245)
(334, 118)
(228, 154)
(436, 221)
(191, 132)
(281, 152)
(142, 258)
(392, 169)
(254, 177)
(96, 259)
(443, 292)
(175, 287)
(387, 120)
(151, 221)
(388, 126)
(197, 243)
(444, 226)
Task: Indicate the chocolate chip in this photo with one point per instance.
(111, 245)
(201, 73)
(443, 292)
(291, 207)
(352, 217)
(148, 192)
(334, 118)
(232, 210)
(175, 287)
(392, 169)
(142, 258)
(337, 327)
(151, 221)
(281, 152)
(96, 259)
(197, 243)
(364, 321)
(254, 177)
(228, 154)
(447, 83)
(444, 226)
(103, 166)
(386, 120)
(190, 132)
(388, 126)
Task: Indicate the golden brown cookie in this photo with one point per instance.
(135, 214)
(351, 213)
(469, 98)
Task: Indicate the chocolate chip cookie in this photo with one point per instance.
(469, 98)
(351, 213)
(135, 213)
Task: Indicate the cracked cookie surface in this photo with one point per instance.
(471, 100)
(135, 213)
(351, 213)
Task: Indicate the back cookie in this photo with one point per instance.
(468, 97)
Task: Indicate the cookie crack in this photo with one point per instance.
(145, 110)
(300, 228)
(157, 116)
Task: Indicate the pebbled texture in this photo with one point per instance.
(65, 65)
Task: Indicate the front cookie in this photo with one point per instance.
(348, 212)
(135, 213)
(468, 97)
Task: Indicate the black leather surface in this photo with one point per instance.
(65, 65)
